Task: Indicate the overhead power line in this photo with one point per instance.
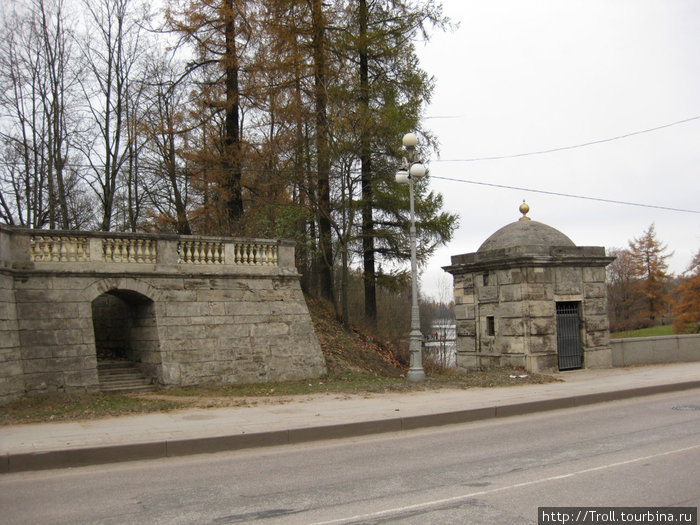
(574, 146)
(571, 195)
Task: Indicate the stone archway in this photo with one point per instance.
(125, 329)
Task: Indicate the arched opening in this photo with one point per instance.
(126, 341)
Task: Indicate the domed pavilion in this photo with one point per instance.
(529, 297)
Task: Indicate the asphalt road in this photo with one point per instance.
(640, 452)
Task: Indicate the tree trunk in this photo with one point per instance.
(366, 174)
(232, 147)
(325, 260)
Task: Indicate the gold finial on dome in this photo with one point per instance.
(524, 208)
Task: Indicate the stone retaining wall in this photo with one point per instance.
(193, 310)
(655, 350)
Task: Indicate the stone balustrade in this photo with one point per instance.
(26, 248)
(126, 250)
(56, 248)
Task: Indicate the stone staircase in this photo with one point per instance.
(120, 377)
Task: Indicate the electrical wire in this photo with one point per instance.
(574, 146)
(559, 194)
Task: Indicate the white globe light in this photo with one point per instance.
(410, 140)
(417, 170)
(402, 177)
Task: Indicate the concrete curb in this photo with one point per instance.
(22, 462)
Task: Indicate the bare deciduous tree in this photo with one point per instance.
(36, 92)
(112, 50)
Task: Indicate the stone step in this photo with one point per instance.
(139, 377)
(127, 387)
(122, 385)
(108, 364)
(120, 373)
(122, 377)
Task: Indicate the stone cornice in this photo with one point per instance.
(529, 257)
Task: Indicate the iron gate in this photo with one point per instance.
(569, 336)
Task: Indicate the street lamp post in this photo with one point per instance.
(413, 170)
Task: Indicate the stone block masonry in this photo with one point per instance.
(187, 310)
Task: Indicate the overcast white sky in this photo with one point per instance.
(521, 76)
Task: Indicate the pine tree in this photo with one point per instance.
(391, 91)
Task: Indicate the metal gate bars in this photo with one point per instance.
(569, 336)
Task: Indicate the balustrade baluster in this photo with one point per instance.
(63, 250)
(72, 248)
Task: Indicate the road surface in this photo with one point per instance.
(640, 452)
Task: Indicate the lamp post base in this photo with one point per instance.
(415, 375)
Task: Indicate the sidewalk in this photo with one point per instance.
(310, 418)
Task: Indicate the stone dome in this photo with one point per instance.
(525, 232)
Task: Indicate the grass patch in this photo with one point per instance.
(75, 407)
(363, 382)
(652, 331)
(71, 407)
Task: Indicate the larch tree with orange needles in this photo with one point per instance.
(649, 265)
(688, 306)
